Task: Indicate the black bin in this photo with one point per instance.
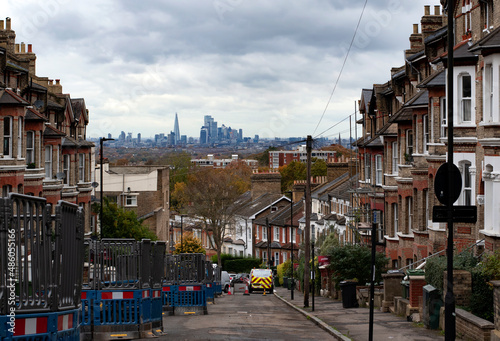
(349, 299)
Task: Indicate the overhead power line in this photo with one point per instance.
(342, 68)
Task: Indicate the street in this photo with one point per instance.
(240, 317)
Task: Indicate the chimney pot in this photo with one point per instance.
(427, 10)
(415, 28)
(17, 48)
(8, 27)
(1, 25)
(57, 81)
(30, 48)
(51, 82)
(23, 48)
(437, 10)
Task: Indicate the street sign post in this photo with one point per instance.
(461, 214)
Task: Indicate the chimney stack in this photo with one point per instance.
(8, 27)
(437, 10)
(23, 47)
(1, 25)
(427, 10)
(17, 48)
(415, 28)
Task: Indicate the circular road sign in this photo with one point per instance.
(441, 183)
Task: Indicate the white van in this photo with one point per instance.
(225, 281)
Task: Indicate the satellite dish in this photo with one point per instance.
(95, 184)
(60, 176)
(38, 104)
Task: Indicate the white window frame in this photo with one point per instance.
(30, 147)
(264, 257)
(283, 235)
(378, 170)
(66, 168)
(294, 236)
(81, 167)
(459, 74)
(7, 137)
(488, 93)
(425, 133)
(276, 258)
(264, 233)
(467, 183)
(443, 117)
(131, 200)
(48, 162)
(276, 234)
(284, 257)
(395, 157)
(464, 100)
(257, 228)
(20, 128)
(368, 161)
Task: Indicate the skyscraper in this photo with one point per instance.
(177, 133)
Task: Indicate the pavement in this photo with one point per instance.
(353, 323)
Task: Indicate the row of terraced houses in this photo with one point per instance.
(404, 139)
(45, 152)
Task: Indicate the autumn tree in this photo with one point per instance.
(190, 244)
(212, 194)
(297, 170)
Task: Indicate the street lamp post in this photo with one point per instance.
(102, 140)
(291, 241)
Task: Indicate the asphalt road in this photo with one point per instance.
(240, 317)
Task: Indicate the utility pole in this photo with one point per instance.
(449, 300)
(307, 230)
(269, 261)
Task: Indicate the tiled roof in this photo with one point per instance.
(405, 113)
(376, 142)
(437, 79)
(366, 94)
(258, 204)
(342, 191)
(55, 105)
(398, 74)
(10, 97)
(85, 143)
(460, 52)
(36, 86)
(489, 42)
(12, 65)
(51, 131)
(33, 115)
(78, 106)
(416, 56)
(438, 34)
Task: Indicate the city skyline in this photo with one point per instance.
(235, 62)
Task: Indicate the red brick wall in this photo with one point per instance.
(416, 289)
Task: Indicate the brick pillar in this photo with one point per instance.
(417, 284)
(495, 334)
(392, 288)
(462, 284)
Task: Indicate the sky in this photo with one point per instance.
(267, 67)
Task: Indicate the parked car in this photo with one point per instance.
(241, 278)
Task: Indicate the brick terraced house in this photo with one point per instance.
(404, 136)
(45, 152)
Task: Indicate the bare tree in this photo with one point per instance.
(212, 195)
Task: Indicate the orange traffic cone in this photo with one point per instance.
(229, 291)
(264, 294)
(246, 291)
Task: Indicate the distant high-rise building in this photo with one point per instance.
(240, 135)
(109, 136)
(204, 135)
(177, 133)
(183, 139)
(122, 136)
(139, 138)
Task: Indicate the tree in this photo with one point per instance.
(119, 223)
(354, 262)
(190, 244)
(212, 194)
(180, 166)
(295, 170)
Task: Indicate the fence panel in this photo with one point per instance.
(157, 264)
(145, 261)
(30, 238)
(68, 268)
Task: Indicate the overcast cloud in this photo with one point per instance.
(267, 67)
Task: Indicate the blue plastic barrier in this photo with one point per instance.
(210, 289)
(168, 295)
(191, 296)
(87, 299)
(44, 326)
(145, 313)
(218, 288)
(156, 309)
(117, 307)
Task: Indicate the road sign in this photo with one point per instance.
(441, 183)
(461, 214)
